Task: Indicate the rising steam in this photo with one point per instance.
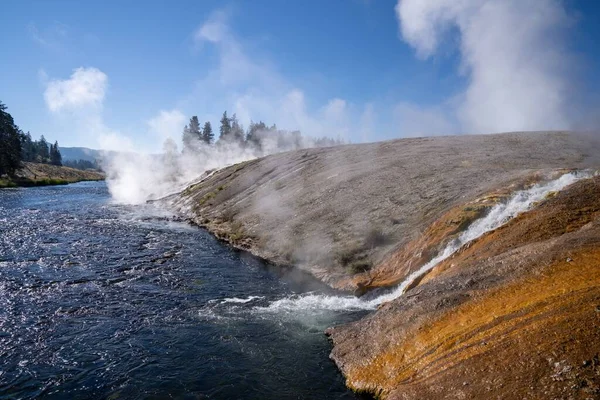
(134, 178)
(512, 55)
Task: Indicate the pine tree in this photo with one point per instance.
(237, 131)
(43, 153)
(255, 133)
(55, 156)
(27, 147)
(225, 129)
(191, 135)
(207, 133)
(10, 143)
(194, 128)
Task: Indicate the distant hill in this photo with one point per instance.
(80, 153)
(84, 153)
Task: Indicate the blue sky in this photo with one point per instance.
(363, 70)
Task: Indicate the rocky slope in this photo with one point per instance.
(514, 314)
(339, 211)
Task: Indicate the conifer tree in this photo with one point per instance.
(10, 143)
(186, 139)
(43, 153)
(55, 156)
(27, 147)
(207, 133)
(225, 128)
(255, 133)
(191, 135)
(194, 128)
(237, 131)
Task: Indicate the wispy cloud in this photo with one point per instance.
(215, 29)
(52, 37)
(77, 102)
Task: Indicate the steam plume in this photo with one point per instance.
(511, 53)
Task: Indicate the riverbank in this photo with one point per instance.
(362, 217)
(34, 174)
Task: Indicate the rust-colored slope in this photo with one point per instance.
(407, 258)
(516, 315)
(561, 213)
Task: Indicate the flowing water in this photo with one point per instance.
(105, 301)
(500, 214)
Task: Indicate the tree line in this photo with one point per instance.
(17, 146)
(258, 136)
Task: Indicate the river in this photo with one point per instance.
(99, 300)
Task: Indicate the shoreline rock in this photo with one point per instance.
(512, 315)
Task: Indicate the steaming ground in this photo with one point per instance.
(340, 212)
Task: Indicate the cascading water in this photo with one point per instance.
(500, 214)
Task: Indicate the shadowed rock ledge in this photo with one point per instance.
(513, 315)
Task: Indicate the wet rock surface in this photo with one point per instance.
(341, 211)
(511, 316)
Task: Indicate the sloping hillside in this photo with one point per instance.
(339, 211)
(34, 174)
(514, 315)
(80, 153)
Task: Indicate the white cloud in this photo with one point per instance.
(167, 124)
(511, 52)
(215, 29)
(86, 87)
(77, 104)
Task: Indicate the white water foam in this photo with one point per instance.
(316, 302)
(240, 300)
(500, 214)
